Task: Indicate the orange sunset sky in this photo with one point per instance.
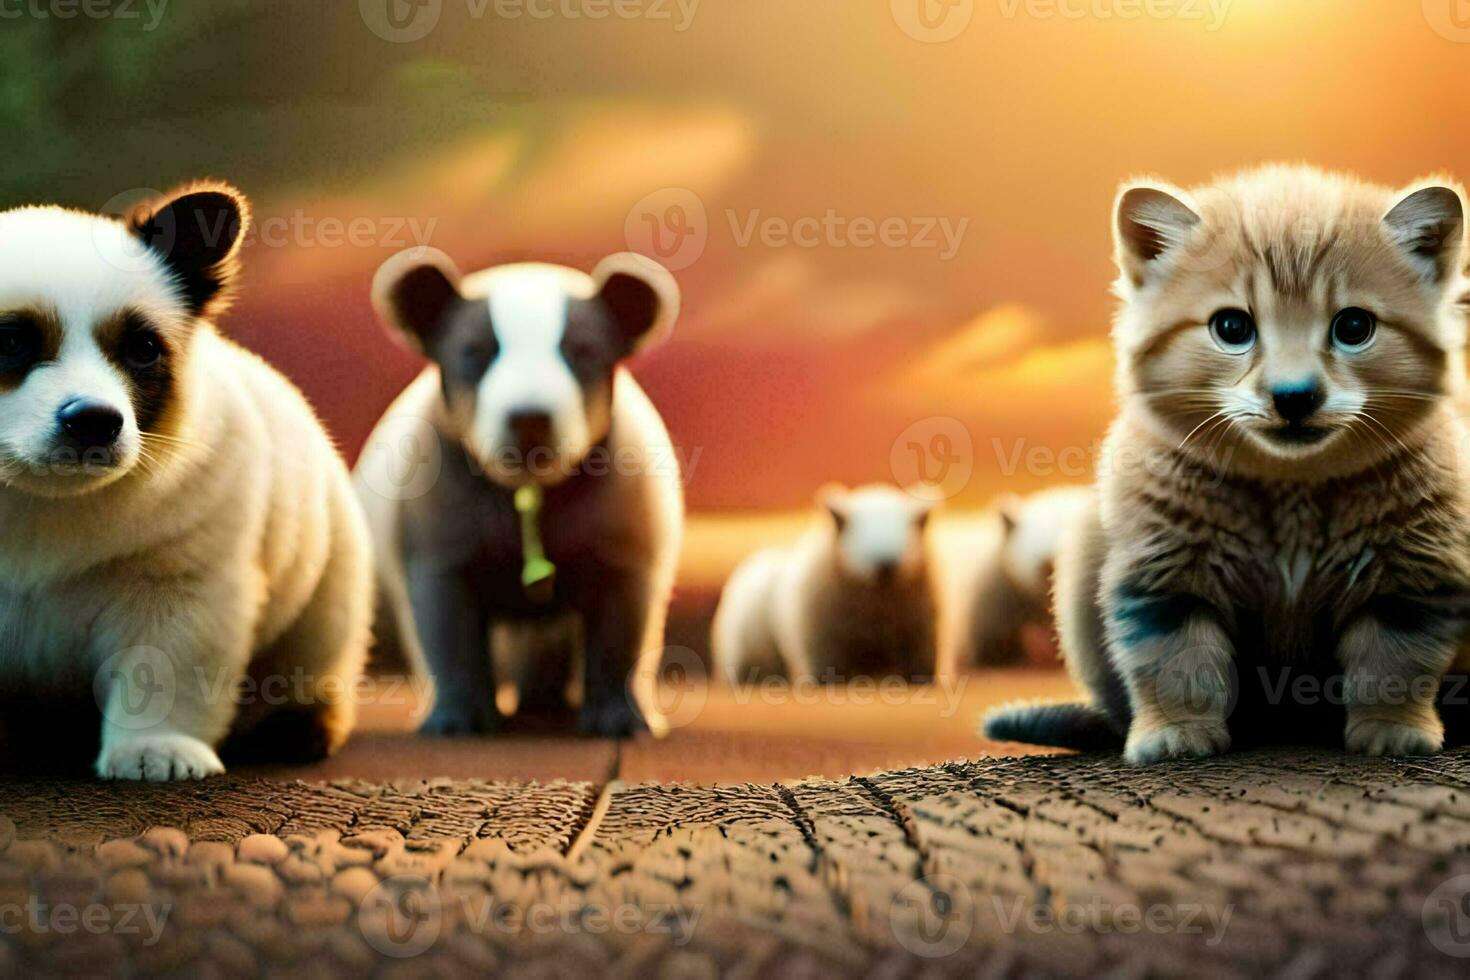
(873, 228)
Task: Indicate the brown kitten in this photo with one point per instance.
(1281, 521)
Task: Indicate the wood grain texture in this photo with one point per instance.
(1304, 862)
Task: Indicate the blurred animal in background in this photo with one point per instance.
(857, 595)
(551, 509)
(180, 533)
(1007, 617)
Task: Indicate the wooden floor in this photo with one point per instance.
(914, 850)
(719, 736)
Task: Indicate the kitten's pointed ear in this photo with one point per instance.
(413, 291)
(922, 508)
(641, 295)
(197, 231)
(1429, 226)
(1149, 219)
(832, 498)
(1009, 509)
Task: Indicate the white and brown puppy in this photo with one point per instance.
(175, 517)
(855, 596)
(527, 389)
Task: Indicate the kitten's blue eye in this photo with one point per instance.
(1234, 331)
(1353, 330)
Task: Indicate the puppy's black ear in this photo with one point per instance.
(197, 231)
(642, 297)
(1429, 226)
(413, 291)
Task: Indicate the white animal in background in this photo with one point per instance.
(1007, 603)
(857, 595)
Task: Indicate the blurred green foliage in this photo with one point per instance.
(266, 93)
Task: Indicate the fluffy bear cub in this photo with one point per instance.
(1279, 545)
(857, 595)
(551, 493)
(177, 523)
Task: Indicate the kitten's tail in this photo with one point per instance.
(1078, 726)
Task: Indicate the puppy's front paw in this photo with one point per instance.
(1378, 736)
(1183, 740)
(157, 758)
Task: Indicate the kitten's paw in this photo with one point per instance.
(1185, 740)
(158, 758)
(450, 719)
(1378, 736)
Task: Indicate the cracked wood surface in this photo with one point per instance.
(1290, 862)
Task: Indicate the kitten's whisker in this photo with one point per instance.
(1198, 427)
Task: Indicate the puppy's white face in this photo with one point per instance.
(96, 319)
(530, 414)
(880, 533)
(527, 353)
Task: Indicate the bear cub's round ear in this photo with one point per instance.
(197, 230)
(413, 290)
(641, 295)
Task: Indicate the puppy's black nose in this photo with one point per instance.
(89, 424)
(530, 428)
(885, 571)
(1296, 405)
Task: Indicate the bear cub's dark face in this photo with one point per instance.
(528, 353)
